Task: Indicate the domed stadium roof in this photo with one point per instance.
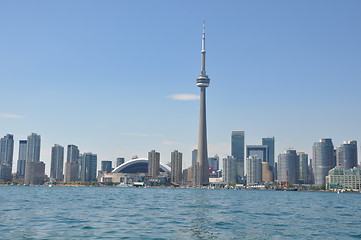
(139, 165)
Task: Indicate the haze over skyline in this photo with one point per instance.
(118, 78)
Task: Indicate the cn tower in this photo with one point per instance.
(201, 176)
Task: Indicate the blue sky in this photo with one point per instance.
(103, 74)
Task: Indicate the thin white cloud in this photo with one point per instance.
(184, 97)
(140, 135)
(11, 116)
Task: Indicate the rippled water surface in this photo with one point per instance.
(164, 213)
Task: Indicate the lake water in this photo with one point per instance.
(165, 213)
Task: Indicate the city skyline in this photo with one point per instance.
(102, 83)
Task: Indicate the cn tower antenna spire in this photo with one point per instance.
(203, 70)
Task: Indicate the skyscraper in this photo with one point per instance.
(106, 166)
(229, 169)
(237, 151)
(194, 156)
(71, 172)
(71, 169)
(72, 153)
(267, 173)
(201, 176)
(213, 163)
(7, 150)
(6, 157)
(57, 162)
(153, 164)
(270, 143)
(303, 170)
(176, 167)
(88, 167)
(254, 170)
(34, 172)
(194, 163)
(322, 160)
(33, 148)
(347, 154)
(21, 159)
(120, 161)
(288, 167)
(260, 151)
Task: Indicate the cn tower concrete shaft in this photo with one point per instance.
(202, 176)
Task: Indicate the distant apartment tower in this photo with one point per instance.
(33, 148)
(35, 173)
(6, 157)
(71, 172)
(267, 173)
(194, 156)
(120, 161)
(153, 164)
(106, 166)
(346, 154)
(302, 159)
(288, 167)
(34, 169)
(229, 169)
(88, 167)
(270, 143)
(275, 171)
(57, 162)
(7, 150)
(72, 153)
(21, 159)
(237, 151)
(213, 163)
(323, 160)
(176, 167)
(254, 170)
(261, 151)
(194, 161)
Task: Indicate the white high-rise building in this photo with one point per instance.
(322, 161)
(254, 170)
(288, 167)
(229, 170)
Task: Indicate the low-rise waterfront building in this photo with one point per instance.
(135, 170)
(339, 178)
